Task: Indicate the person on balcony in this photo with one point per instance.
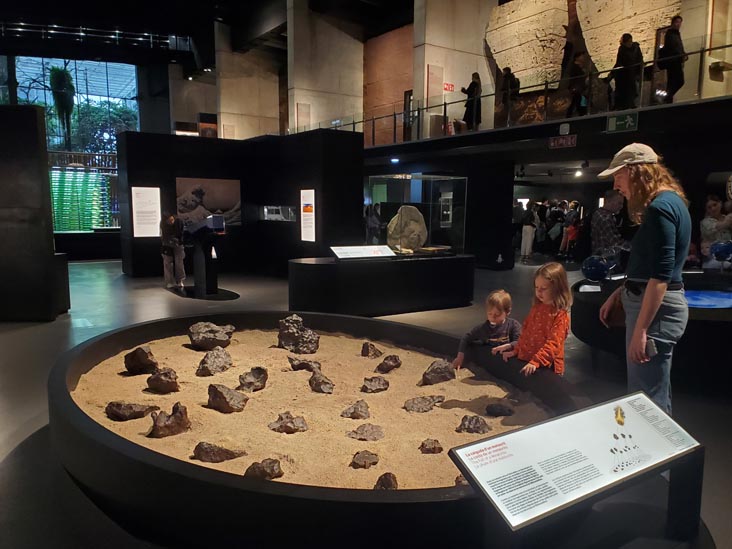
(578, 86)
(674, 58)
(627, 73)
(509, 92)
(472, 105)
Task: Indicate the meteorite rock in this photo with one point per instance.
(166, 425)
(357, 410)
(499, 409)
(288, 424)
(389, 363)
(423, 404)
(369, 350)
(387, 481)
(364, 459)
(141, 361)
(430, 446)
(121, 411)
(367, 431)
(164, 381)
(374, 384)
(297, 338)
(267, 469)
(210, 453)
(214, 362)
(473, 424)
(205, 336)
(254, 380)
(460, 481)
(439, 371)
(226, 400)
(300, 364)
(319, 383)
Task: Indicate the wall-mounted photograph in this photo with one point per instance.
(197, 198)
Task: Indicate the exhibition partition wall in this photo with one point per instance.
(283, 197)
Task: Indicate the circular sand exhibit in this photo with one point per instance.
(295, 406)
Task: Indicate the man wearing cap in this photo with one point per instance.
(656, 311)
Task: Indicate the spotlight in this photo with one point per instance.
(394, 160)
(207, 69)
(190, 78)
(578, 173)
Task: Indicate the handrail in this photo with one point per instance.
(60, 159)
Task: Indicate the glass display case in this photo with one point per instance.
(278, 213)
(416, 213)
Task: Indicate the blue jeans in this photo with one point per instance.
(667, 327)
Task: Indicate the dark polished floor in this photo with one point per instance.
(36, 498)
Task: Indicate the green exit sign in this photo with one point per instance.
(622, 122)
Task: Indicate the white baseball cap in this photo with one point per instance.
(635, 153)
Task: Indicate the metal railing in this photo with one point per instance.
(96, 161)
(552, 100)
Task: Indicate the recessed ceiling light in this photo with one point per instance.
(578, 173)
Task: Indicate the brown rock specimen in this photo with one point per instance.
(226, 400)
(300, 364)
(288, 424)
(389, 363)
(206, 336)
(267, 469)
(210, 453)
(387, 481)
(319, 383)
(141, 361)
(364, 459)
(430, 446)
(460, 481)
(473, 424)
(374, 384)
(357, 410)
(164, 381)
(122, 411)
(423, 404)
(439, 371)
(254, 380)
(215, 361)
(499, 409)
(295, 337)
(367, 431)
(369, 350)
(166, 425)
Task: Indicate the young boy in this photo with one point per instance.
(499, 332)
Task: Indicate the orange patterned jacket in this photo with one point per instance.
(542, 337)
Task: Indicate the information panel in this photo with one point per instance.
(307, 215)
(532, 472)
(362, 252)
(146, 211)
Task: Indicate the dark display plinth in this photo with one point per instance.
(205, 268)
(378, 287)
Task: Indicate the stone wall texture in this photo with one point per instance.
(604, 22)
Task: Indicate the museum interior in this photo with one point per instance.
(367, 256)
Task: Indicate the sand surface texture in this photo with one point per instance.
(321, 455)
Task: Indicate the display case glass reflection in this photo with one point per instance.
(278, 213)
(416, 213)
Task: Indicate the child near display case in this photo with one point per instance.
(545, 329)
(499, 331)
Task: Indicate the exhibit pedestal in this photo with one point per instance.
(205, 269)
(377, 287)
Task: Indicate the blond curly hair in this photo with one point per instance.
(647, 181)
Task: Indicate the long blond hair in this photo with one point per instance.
(647, 181)
(557, 277)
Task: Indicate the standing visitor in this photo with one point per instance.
(571, 218)
(509, 92)
(472, 105)
(627, 73)
(604, 231)
(673, 59)
(656, 311)
(578, 86)
(171, 236)
(530, 223)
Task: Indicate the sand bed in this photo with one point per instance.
(321, 455)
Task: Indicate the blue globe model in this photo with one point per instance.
(611, 256)
(722, 251)
(595, 268)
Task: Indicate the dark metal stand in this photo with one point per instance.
(205, 269)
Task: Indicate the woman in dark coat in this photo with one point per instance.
(472, 105)
(627, 72)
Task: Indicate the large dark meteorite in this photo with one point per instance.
(389, 363)
(205, 336)
(374, 384)
(166, 425)
(423, 404)
(319, 383)
(370, 350)
(141, 361)
(164, 381)
(254, 380)
(301, 364)
(295, 337)
(267, 469)
(288, 424)
(215, 361)
(368, 432)
(122, 411)
(430, 446)
(473, 424)
(226, 400)
(357, 410)
(387, 481)
(364, 459)
(211, 453)
(439, 371)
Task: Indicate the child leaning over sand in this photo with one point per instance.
(499, 332)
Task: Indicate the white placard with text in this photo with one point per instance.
(307, 215)
(362, 252)
(146, 211)
(532, 472)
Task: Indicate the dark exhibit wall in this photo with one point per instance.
(26, 246)
(272, 170)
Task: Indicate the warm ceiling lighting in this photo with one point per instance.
(578, 173)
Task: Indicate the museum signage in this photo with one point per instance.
(362, 252)
(563, 141)
(627, 122)
(530, 473)
(146, 214)
(307, 215)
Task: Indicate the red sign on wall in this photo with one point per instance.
(563, 141)
(448, 87)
